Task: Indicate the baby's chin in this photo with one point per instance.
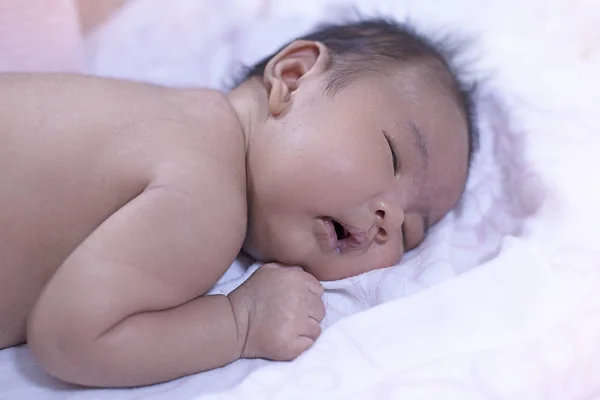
(284, 257)
(259, 255)
(261, 252)
(251, 252)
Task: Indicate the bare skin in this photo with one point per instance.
(121, 204)
(387, 157)
(115, 212)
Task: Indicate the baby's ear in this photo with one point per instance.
(285, 71)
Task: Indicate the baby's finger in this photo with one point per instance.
(301, 344)
(312, 329)
(314, 286)
(274, 265)
(317, 308)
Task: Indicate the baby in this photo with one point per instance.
(122, 203)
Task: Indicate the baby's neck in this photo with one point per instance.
(249, 101)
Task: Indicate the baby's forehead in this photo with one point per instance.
(412, 95)
(401, 92)
(416, 109)
(409, 80)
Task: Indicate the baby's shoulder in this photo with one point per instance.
(211, 108)
(212, 119)
(207, 132)
(205, 147)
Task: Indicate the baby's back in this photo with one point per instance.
(73, 150)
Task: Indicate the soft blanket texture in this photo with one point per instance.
(503, 299)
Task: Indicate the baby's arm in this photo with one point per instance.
(122, 309)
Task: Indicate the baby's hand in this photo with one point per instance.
(279, 309)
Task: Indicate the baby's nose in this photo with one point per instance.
(389, 223)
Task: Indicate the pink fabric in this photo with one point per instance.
(40, 35)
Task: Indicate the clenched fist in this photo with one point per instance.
(279, 310)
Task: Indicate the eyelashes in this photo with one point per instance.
(394, 159)
(404, 241)
(393, 151)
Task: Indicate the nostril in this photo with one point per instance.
(380, 214)
(382, 234)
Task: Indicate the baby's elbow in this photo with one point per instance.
(61, 350)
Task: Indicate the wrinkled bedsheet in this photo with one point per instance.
(502, 301)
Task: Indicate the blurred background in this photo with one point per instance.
(202, 42)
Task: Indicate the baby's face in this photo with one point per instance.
(346, 185)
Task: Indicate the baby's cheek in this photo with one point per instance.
(305, 181)
(387, 257)
(326, 176)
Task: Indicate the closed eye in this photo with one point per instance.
(393, 151)
(404, 241)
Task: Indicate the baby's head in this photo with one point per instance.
(359, 138)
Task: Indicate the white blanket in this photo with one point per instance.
(524, 324)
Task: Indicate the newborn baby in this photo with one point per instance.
(122, 203)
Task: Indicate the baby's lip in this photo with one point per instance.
(358, 237)
(332, 240)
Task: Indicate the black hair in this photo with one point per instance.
(368, 44)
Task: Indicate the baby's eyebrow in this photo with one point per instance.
(421, 145)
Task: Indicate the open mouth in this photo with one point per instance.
(342, 237)
(341, 232)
